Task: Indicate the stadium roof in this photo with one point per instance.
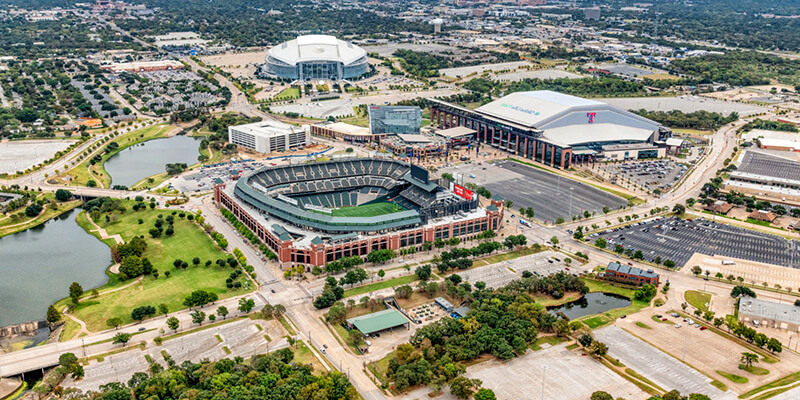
(316, 48)
(599, 132)
(533, 108)
(378, 321)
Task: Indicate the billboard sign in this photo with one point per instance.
(462, 192)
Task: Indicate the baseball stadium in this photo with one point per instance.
(315, 213)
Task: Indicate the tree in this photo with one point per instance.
(748, 359)
(33, 210)
(70, 362)
(53, 315)
(645, 293)
(114, 322)
(742, 291)
(222, 311)
(404, 291)
(278, 310)
(381, 273)
(774, 345)
(585, 340)
(356, 337)
(163, 309)
(760, 340)
(63, 195)
(423, 272)
(198, 317)
(601, 396)
(485, 394)
(75, 292)
(679, 209)
(463, 387)
(173, 323)
(554, 241)
(142, 312)
(246, 304)
(669, 264)
(601, 243)
(599, 348)
(121, 338)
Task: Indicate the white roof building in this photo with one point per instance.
(268, 136)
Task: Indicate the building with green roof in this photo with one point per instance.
(378, 321)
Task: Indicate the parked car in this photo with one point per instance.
(678, 325)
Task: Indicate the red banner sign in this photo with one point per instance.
(462, 191)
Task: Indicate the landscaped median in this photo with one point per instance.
(185, 261)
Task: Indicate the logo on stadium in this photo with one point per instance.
(591, 116)
(518, 108)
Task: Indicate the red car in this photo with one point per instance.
(702, 328)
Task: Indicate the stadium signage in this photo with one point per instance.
(591, 116)
(520, 109)
(462, 191)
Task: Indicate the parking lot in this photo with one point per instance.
(550, 195)
(203, 179)
(565, 375)
(657, 366)
(675, 239)
(499, 275)
(651, 175)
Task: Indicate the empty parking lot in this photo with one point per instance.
(675, 239)
(550, 195)
(499, 275)
(654, 364)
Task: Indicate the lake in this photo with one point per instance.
(591, 303)
(38, 265)
(149, 158)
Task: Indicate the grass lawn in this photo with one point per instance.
(697, 299)
(754, 369)
(22, 221)
(366, 210)
(643, 325)
(692, 131)
(656, 319)
(379, 368)
(719, 385)
(71, 328)
(596, 321)
(291, 92)
(188, 241)
(551, 340)
(494, 259)
(786, 380)
(303, 355)
(403, 280)
(734, 378)
(758, 222)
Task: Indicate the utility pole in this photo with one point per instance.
(544, 371)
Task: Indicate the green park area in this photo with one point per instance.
(599, 320)
(291, 92)
(87, 171)
(171, 285)
(697, 299)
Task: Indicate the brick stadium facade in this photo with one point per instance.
(322, 253)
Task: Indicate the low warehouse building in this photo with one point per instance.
(378, 321)
(630, 275)
(769, 314)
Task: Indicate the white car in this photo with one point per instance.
(678, 325)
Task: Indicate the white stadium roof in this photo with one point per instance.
(598, 132)
(533, 108)
(316, 48)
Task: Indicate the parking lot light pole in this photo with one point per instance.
(544, 371)
(570, 201)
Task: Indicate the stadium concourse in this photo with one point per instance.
(312, 214)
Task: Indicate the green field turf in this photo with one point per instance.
(368, 210)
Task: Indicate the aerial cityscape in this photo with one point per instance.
(353, 199)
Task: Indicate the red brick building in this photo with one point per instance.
(630, 275)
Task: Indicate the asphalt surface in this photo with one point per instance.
(676, 240)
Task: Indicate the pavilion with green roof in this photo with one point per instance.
(378, 321)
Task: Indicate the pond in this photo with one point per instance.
(590, 304)
(149, 158)
(38, 265)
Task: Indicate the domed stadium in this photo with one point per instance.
(355, 195)
(316, 57)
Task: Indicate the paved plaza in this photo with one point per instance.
(657, 366)
(550, 195)
(675, 239)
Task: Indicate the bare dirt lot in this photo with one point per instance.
(238, 64)
(706, 350)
